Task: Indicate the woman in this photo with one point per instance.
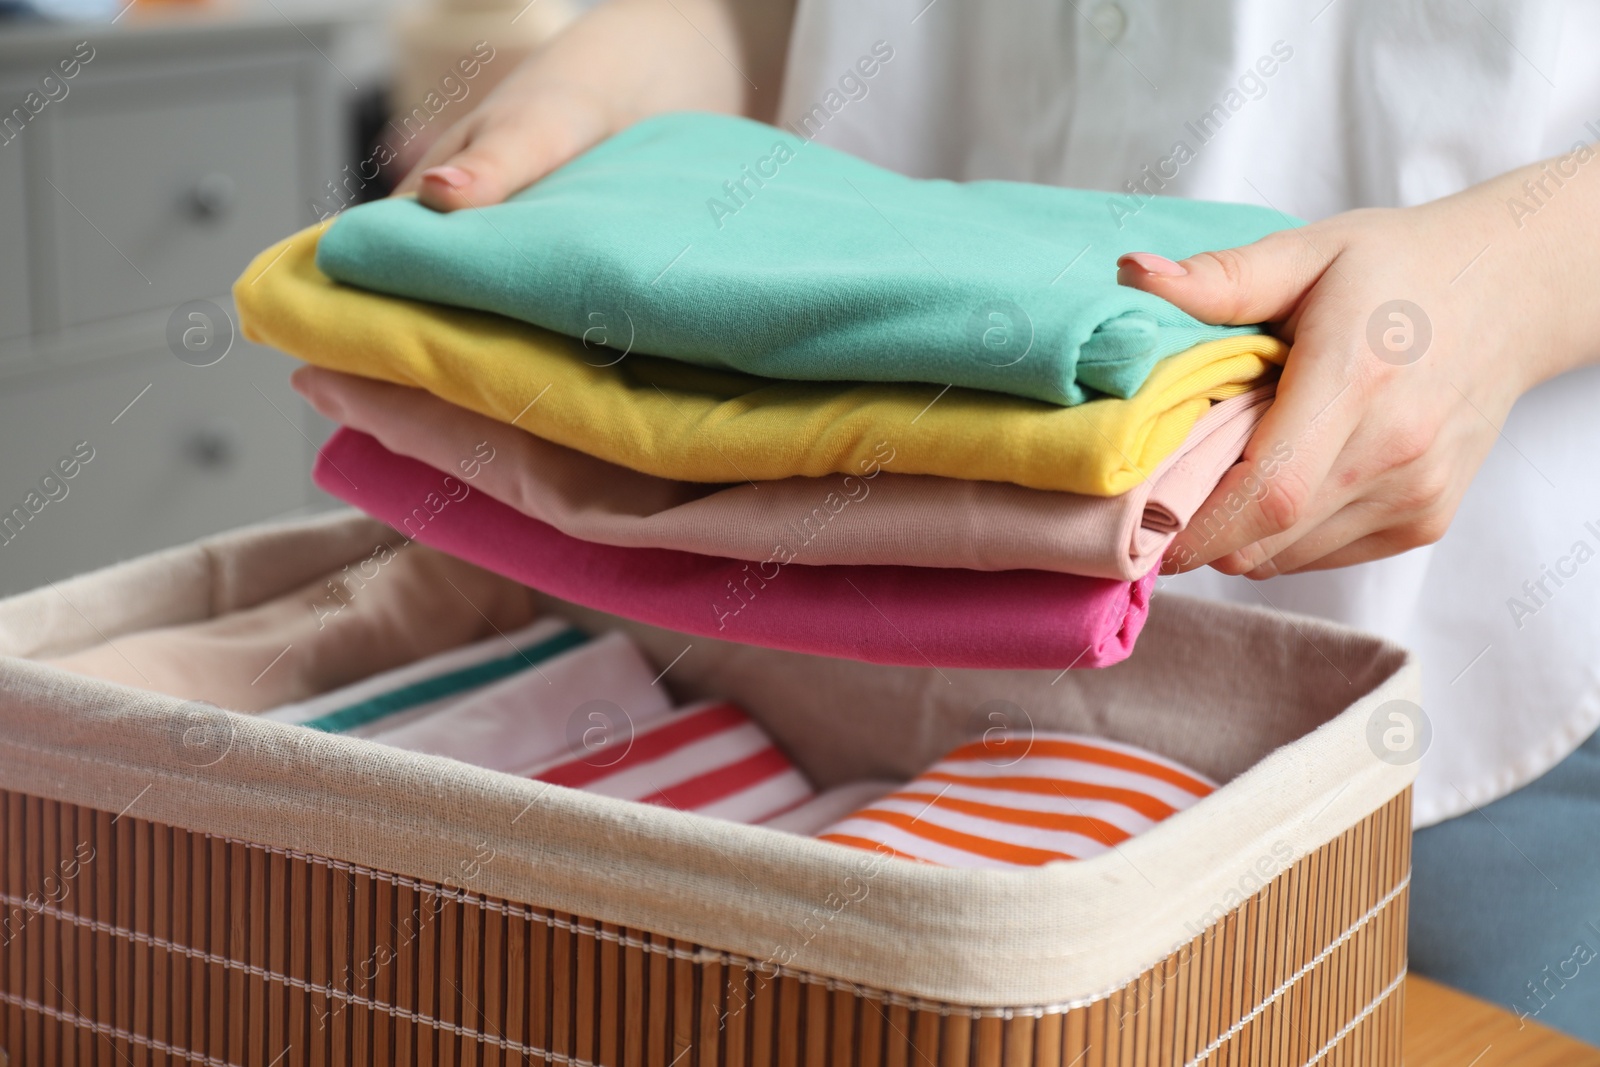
(1445, 153)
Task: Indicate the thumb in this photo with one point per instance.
(501, 155)
(1260, 282)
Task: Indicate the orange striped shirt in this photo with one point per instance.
(1023, 802)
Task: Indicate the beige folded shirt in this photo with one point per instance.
(876, 518)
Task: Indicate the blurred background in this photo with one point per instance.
(148, 150)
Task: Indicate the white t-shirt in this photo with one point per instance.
(1311, 107)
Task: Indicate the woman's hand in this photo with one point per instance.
(1412, 333)
(621, 62)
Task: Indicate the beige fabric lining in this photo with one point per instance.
(1218, 687)
(337, 629)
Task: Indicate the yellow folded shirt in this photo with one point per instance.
(675, 420)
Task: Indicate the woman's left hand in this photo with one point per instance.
(1412, 332)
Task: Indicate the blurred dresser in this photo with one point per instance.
(142, 164)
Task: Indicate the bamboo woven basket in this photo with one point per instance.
(306, 899)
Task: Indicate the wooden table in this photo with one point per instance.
(1445, 1028)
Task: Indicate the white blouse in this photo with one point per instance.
(1312, 107)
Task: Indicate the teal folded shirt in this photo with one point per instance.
(726, 242)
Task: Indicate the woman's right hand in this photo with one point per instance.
(620, 62)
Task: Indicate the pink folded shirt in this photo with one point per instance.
(888, 518)
(904, 616)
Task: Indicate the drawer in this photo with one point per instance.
(165, 189)
(14, 275)
(203, 448)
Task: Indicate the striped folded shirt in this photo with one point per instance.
(575, 702)
(828, 807)
(1023, 802)
(404, 694)
(709, 758)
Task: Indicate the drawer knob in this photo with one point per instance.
(211, 198)
(211, 450)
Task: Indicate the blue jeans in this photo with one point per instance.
(1505, 900)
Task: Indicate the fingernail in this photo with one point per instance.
(454, 177)
(1151, 263)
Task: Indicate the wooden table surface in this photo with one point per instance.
(1445, 1028)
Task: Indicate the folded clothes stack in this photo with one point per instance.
(551, 703)
(722, 380)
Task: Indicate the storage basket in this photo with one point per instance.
(183, 885)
